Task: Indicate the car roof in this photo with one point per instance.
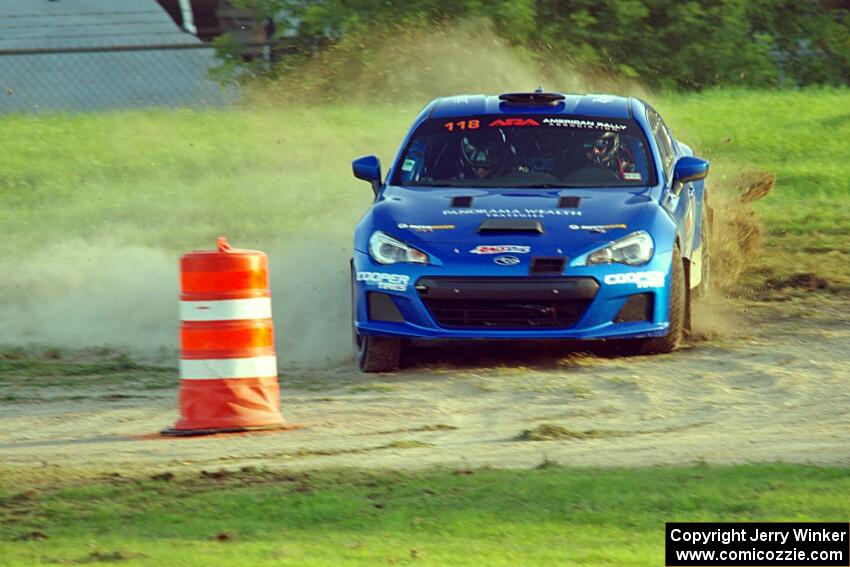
(601, 105)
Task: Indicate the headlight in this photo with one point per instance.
(634, 250)
(385, 249)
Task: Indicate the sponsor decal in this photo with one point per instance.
(515, 213)
(584, 124)
(426, 227)
(631, 176)
(643, 280)
(390, 282)
(514, 122)
(500, 249)
(601, 228)
(506, 260)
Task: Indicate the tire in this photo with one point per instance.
(678, 313)
(377, 354)
(373, 354)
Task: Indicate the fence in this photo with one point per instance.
(109, 78)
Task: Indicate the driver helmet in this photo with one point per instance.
(604, 149)
(485, 151)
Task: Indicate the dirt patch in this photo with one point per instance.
(110, 556)
(407, 444)
(806, 281)
(552, 432)
(36, 535)
(435, 427)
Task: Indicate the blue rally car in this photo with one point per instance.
(530, 216)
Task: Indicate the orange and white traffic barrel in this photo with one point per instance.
(228, 366)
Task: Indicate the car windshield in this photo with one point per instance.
(526, 152)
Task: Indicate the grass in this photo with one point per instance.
(25, 374)
(177, 179)
(174, 180)
(551, 515)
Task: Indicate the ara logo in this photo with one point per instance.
(506, 260)
(514, 122)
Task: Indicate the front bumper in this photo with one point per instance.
(450, 302)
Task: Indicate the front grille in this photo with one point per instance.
(507, 303)
(500, 314)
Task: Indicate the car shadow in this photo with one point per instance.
(487, 353)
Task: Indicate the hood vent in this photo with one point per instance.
(512, 226)
(551, 265)
(464, 201)
(568, 202)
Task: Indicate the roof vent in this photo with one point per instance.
(536, 98)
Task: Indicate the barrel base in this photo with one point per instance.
(215, 431)
(237, 404)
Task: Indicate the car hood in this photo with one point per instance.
(570, 221)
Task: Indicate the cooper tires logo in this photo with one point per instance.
(641, 279)
(390, 282)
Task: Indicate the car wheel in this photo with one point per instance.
(373, 354)
(377, 354)
(679, 308)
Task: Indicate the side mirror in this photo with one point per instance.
(368, 168)
(688, 169)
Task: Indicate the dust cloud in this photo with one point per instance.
(311, 304)
(84, 296)
(412, 65)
